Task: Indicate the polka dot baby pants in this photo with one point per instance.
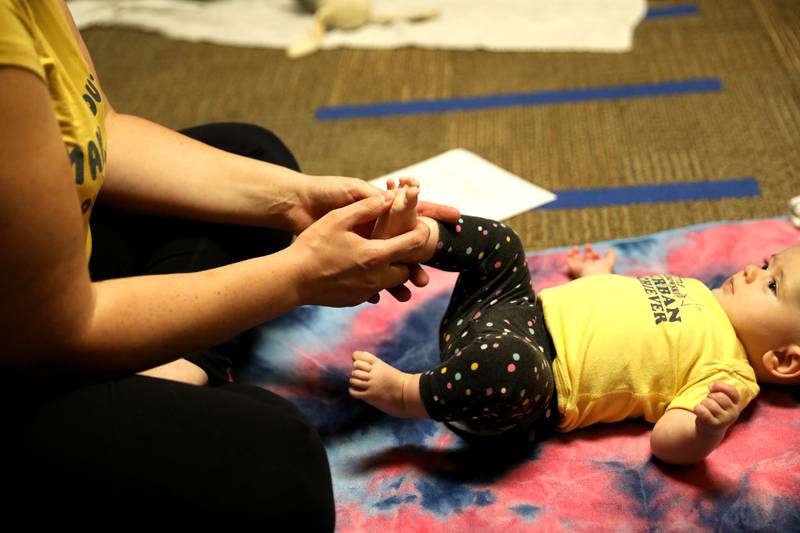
(495, 376)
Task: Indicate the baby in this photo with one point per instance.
(516, 365)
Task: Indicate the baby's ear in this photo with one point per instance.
(783, 363)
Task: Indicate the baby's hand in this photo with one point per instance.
(589, 262)
(719, 410)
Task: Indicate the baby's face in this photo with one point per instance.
(763, 303)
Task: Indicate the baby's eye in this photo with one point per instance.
(773, 286)
(765, 265)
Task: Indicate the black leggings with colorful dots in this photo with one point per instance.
(495, 376)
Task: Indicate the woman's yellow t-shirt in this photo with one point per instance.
(631, 347)
(37, 36)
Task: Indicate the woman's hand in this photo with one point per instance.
(442, 213)
(318, 195)
(340, 267)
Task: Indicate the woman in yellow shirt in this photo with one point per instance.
(87, 436)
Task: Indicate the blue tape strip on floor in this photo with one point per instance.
(667, 88)
(666, 192)
(671, 11)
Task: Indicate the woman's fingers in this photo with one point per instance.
(443, 213)
(418, 276)
(401, 248)
(401, 293)
(363, 211)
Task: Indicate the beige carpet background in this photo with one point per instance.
(751, 128)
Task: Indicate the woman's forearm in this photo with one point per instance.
(143, 322)
(152, 169)
(138, 323)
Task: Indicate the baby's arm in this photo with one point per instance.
(684, 437)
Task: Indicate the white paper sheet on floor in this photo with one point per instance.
(476, 186)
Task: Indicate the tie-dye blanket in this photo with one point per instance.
(416, 476)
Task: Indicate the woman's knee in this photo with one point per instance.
(273, 149)
(249, 140)
(291, 481)
(150, 443)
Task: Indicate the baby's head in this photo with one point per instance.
(763, 304)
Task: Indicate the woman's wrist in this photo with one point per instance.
(296, 216)
(275, 196)
(298, 281)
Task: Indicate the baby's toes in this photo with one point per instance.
(400, 201)
(412, 193)
(357, 389)
(409, 182)
(364, 357)
(359, 375)
(361, 366)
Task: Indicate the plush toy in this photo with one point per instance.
(794, 209)
(343, 15)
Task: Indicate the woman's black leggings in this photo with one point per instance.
(135, 448)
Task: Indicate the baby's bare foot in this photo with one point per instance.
(382, 386)
(402, 217)
(589, 262)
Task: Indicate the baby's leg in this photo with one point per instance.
(490, 385)
(493, 384)
(402, 216)
(493, 271)
(398, 393)
(372, 380)
(496, 355)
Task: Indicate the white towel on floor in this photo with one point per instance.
(502, 25)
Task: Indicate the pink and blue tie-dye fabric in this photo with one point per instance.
(416, 476)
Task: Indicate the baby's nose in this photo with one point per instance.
(751, 273)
